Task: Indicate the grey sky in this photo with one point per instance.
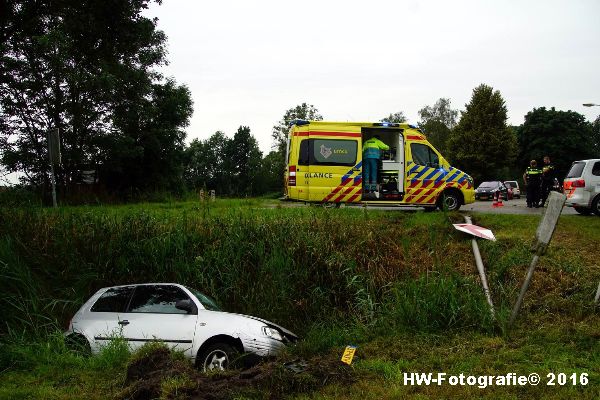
(246, 62)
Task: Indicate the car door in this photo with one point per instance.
(103, 321)
(152, 316)
(424, 175)
(302, 176)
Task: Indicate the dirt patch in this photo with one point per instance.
(148, 378)
(145, 375)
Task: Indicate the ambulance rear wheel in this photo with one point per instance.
(449, 201)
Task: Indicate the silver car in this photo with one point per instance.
(582, 186)
(179, 316)
(515, 188)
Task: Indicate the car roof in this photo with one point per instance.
(143, 284)
(585, 161)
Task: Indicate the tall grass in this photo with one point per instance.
(347, 268)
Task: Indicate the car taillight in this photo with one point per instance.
(578, 183)
(292, 175)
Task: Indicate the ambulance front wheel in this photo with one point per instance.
(449, 201)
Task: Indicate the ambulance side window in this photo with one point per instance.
(335, 152)
(303, 158)
(424, 155)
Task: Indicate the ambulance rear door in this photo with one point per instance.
(335, 166)
(297, 164)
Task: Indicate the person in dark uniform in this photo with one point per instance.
(533, 179)
(548, 176)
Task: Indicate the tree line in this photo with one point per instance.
(479, 141)
(89, 69)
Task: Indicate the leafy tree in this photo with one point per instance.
(245, 159)
(565, 136)
(86, 68)
(272, 173)
(280, 131)
(481, 144)
(230, 166)
(596, 136)
(207, 164)
(397, 117)
(437, 121)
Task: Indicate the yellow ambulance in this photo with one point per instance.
(324, 165)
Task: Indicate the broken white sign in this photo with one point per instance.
(475, 231)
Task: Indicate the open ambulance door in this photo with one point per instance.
(392, 160)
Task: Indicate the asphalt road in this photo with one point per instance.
(515, 206)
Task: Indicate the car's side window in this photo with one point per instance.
(113, 300)
(303, 158)
(158, 299)
(596, 169)
(424, 155)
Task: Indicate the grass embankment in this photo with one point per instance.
(401, 285)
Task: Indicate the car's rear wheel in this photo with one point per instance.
(78, 344)
(596, 206)
(583, 210)
(218, 357)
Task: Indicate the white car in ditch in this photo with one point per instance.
(180, 317)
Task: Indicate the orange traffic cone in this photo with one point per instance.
(499, 204)
(495, 202)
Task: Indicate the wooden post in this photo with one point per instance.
(597, 298)
(543, 235)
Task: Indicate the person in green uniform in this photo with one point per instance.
(533, 179)
(371, 154)
(548, 175)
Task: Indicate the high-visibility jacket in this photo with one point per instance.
(372, 148)
(534, 175)
(548, 172)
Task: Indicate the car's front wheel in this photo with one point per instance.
(449, 201)
(218, 357)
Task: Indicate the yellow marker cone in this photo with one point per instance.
(348, 354)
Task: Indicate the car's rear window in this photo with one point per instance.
(576, 170)
(113, 300)
(511, 184)
(488, 185)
